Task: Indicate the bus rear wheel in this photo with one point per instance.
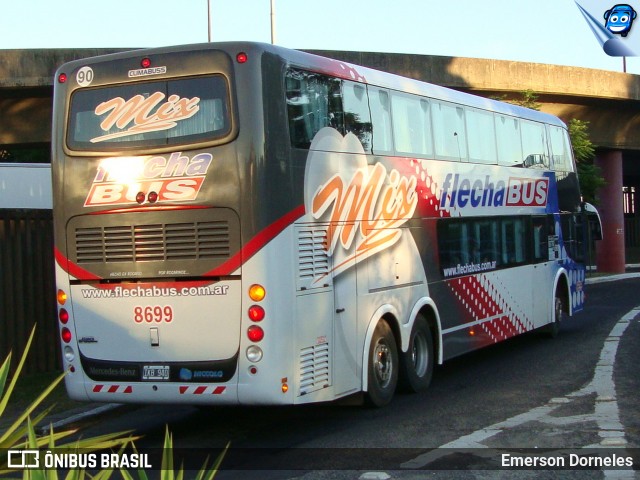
(383, 366)
(417, 363)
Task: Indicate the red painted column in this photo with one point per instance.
(610, 254)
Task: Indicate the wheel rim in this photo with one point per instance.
(382, 364)
(559, 312)
(420, 354)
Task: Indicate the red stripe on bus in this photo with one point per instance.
(71, 268)
(249, 250)
(256, 243)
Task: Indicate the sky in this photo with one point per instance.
(542, 31)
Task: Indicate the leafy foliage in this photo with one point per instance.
(590, 174)
(529, 100)
(21, 435)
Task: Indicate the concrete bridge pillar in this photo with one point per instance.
(610, 253)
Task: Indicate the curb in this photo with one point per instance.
(612, 278)
(69, 417)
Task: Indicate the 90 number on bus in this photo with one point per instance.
(153, 314)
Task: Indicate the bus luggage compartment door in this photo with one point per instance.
(158, 322)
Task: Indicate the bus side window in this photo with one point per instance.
(514, 241)
(452, 243)
(509, 141)
(540, 239)
(411, 125)
(449, 131)
(534, 145)
(381, 119)
(486, 237)
(560, 151)
(357, 119)
(313, 102)
(481, 136)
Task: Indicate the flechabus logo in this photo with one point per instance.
(459, 191)
(119, 180)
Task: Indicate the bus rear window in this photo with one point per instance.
(150, 114)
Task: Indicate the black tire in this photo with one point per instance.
(416, 364)
(383, 366)
(553, 329)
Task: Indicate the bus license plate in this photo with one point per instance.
(155, 372)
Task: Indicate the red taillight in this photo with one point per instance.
(140, 196)
(256, 313)
(255, 333)
(65, 333)
(145, 63)
(153, 197)
(242, 57)
(62, 78)
(63, 315)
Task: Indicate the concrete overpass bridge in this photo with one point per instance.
(610, 101)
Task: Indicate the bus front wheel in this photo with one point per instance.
(553, 328)
(383, 366)
(417, 363)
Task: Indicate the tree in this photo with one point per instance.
(590, 174)
(529, 100)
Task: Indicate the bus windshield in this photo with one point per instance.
(150, 114)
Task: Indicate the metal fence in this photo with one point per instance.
(27, 288)
(632, 231)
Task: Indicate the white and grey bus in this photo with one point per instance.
(240, 223)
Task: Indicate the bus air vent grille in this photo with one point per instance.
(314, 368)
(155, 242)
(313, 260)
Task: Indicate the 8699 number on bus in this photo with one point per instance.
(153, 314)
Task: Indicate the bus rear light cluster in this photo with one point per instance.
(65, 332)
(256, 314)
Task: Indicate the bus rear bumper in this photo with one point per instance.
(153, 392)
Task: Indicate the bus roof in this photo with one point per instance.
(349, 71)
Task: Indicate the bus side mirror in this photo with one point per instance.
(595, 224)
